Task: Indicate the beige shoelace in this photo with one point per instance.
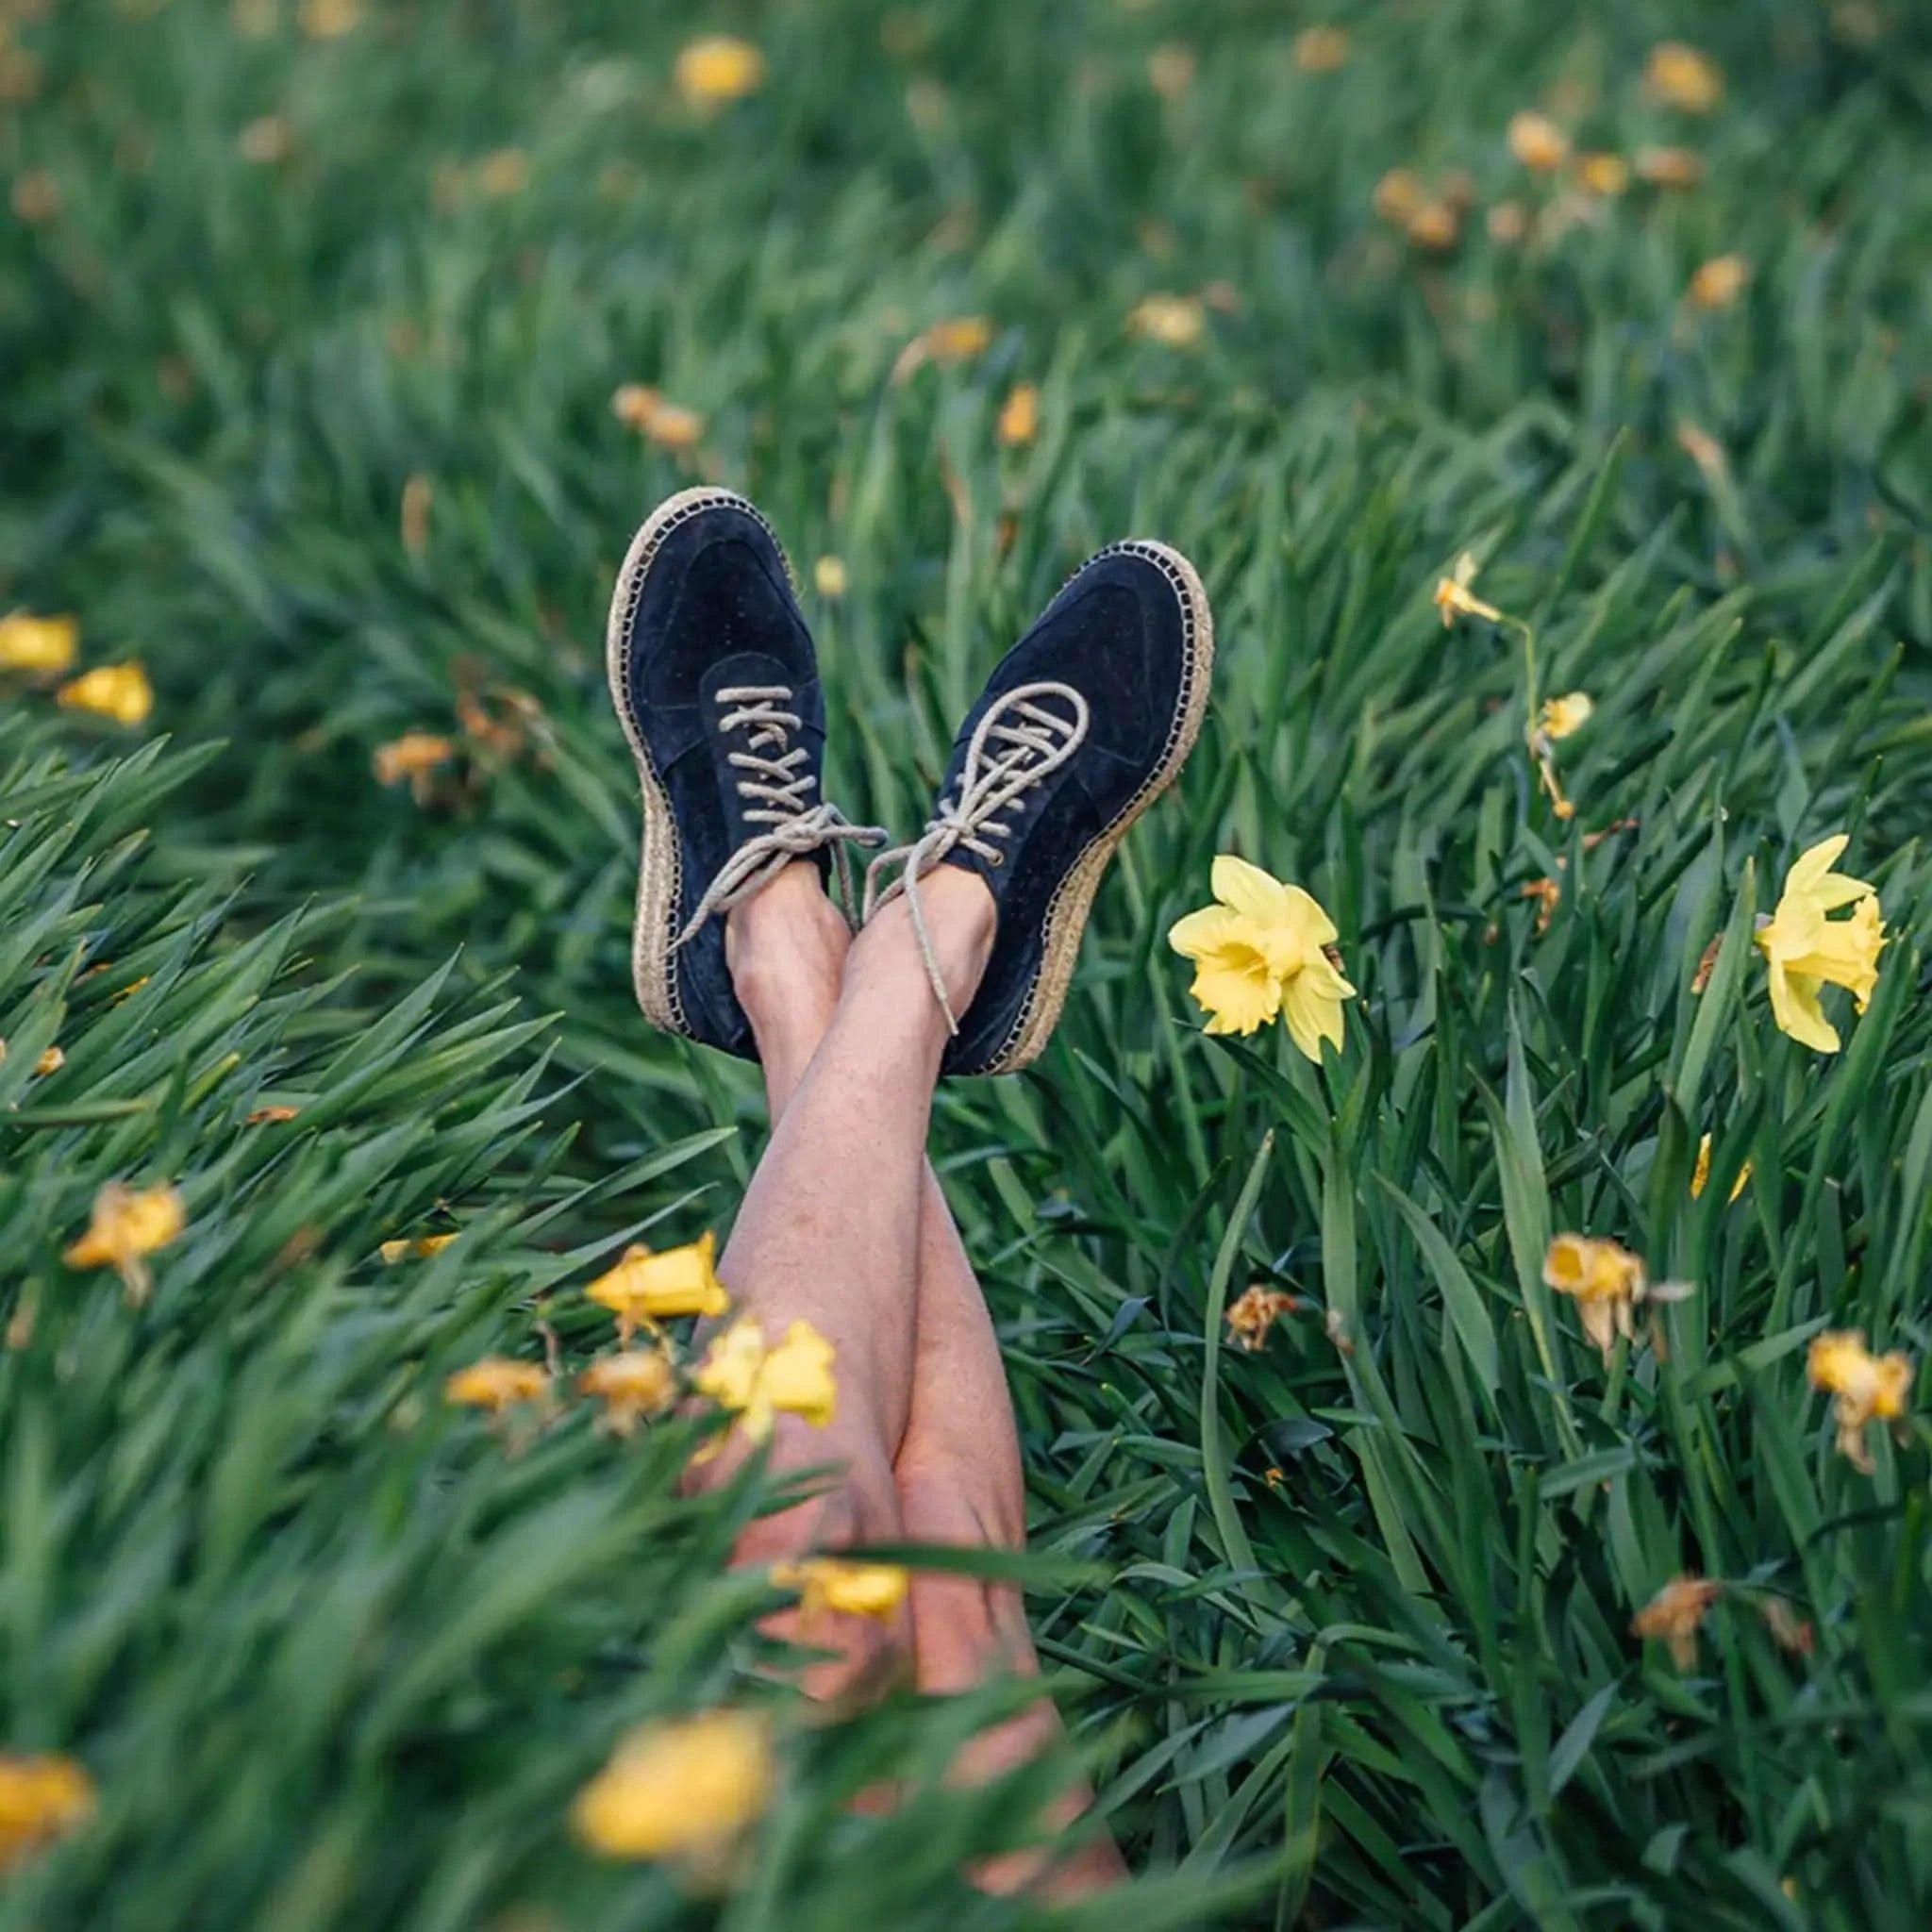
(1016, 744)
(776, 782)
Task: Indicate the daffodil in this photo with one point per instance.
(829, 576)
(329, 20)
(678, 1789)
(633, 1385)
(39, 644)
(1805, 950)
(1254, 1312)
(415, 758)
(1605, 175)
(1176, 322)
(646, 1288)
(1682, 77)
(717, 68)
(1670, 167)
(1454, 598)
(1320, 49)
(120, 691)
(1607, 1283)
(1719, 282)
(496, 1383)
(128, 1224)
(41, 1799)
(1564, 717)
(422, 1247)
(1700, 1175)
(51, 1060)
(1019, 420)
(1264, 949)
(1674, 1614)
(1537, 142)
(850, 1590)
(740, 1374)
(1865, 1387)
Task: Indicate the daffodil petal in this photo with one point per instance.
(1313, 1014)
(1246, 888)
(1208, 931)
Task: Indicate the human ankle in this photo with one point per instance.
(786, 948)
(889, 963)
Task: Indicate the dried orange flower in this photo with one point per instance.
(1019, 420)
(417, 757)
(1720, 281)
(496, 1383)
(1254, 1311)
(50, 1061)
(1674, 1614)
(633, 1386)
(1866, 1388)
(128, 1224)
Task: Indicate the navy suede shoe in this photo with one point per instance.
(1085, 723)
(714, 677)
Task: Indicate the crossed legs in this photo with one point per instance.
(844, 1224)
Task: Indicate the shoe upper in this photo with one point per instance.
(1122, 637)
(720, 685)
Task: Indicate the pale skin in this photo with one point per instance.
(845, 1226)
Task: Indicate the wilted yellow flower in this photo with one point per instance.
(270, 1116)
(1564, 717)
(960, 339)
(265, 141)
(1320, 49)
(1537, 142)
(1681, 78)
(496, 1383)
(120, 691)
(50, 1061)
(716, 68)
(1398, 194)
(1435, 224)
(1019, 420)
(503, 174)
(1607, 1282)
(1265, 948)
(329, 20)
(632, 1385)
(1670, 167)
(678, 1789)
(1254, 1311)
(1455, 599)
(1603, 173)
(1674, 1614)
(416, 755)
(1508, 223)
(1866, 1388)
(1548, 894)
(740, 1374)
(38, 643)
(41, 1799)
(128, 1224)
(648, 1287)
(1171, 70)
(1700, 1173)
(1720, 281)
(850, 1590)
(1176, 322)
(422, 1247)
(830, 576)
(1806, 950)
(674, 427)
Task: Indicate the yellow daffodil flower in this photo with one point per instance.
(1674, 1614)
(646, 1288)
(1537, 142)
(42, 644)
(128, 1224)
(329, 20)
(850, 1590)
(1264, 949)
(1805, 950)
(1176, 322)
(680, 1789)
(1455, 599)
(1682, 77)
(1607, 1282)
(120, 691)
(422, 1247)
(1865, 1387)
(51, 1060)
(740, 1374)
(633, 1386)
(1564, 717)
(828, 575)
(1720, 281)
(415, 758)
(41, 1799)
(717, 68)
(1604, 175)
(1019, 420)
(496, 1383)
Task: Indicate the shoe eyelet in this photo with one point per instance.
(996, 858)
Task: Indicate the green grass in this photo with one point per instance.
(334, 1658)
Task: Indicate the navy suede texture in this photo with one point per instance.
(1117, 633)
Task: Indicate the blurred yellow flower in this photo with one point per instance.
(1264, 948)
(648, 1287)
(1674, 1614)
(266, 141)
(413, 518)
(1865, 1387)
(1700, 1173)
(1454, 598)
(503, 174)
(1398, 194)
(740, 1374)
(1508, 223)
(1254, 1312)
(1320, 49)
(120, 691)
(1805, 950)
(41, 1799)
(1681, 78)
(416, 755)
(1670, 167)
(329, 20)
(255, 19)
(496, 1383)
(1607, 1282)
(127, 1225)
(35, 196)
(1603, 173)
(50, 1061)
(1171, 70)
(1720, 281)
(828, 574)
(851, 1589)
(1019, 420)
(684, 1788)
(1176, 322)
(632, 1385)
(1564, 717)
(1537, 142)
(38, 643)
(716, 68)
(1435, 224)
(422, 1247)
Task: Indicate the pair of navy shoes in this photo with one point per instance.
(1081, 726)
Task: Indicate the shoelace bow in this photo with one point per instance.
(776, 782)
(1016, 743)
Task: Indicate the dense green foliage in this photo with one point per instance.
(1347, 1628)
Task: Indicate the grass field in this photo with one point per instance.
(311, 322)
